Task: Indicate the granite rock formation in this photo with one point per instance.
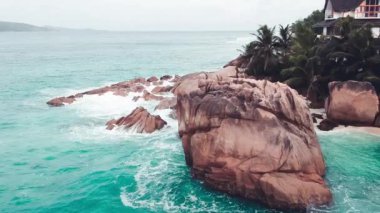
(251, 138)
(140, 121)
(352, 103)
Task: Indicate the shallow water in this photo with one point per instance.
(63, 159)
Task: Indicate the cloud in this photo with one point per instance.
(157, 14)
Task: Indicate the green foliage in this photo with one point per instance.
(313, 18)
(301, 59)
(263, 53)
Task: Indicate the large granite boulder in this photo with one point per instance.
(140, 120)
(251, 138)
(352, 103)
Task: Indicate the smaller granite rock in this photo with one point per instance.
(61, 101)
(140, 120)
(165, 77)
(317, 116)
(152, 79)
(327, 125)
(167, 103)
(352, 103)
(137, 88)
(161, 89)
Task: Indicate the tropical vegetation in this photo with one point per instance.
(297, 56)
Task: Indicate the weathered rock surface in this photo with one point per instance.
(352, 103)
(239, 62)
(167, 103)
(139, 120)
(193, 79)
(251, 138)
(161, 89)
(61, 101)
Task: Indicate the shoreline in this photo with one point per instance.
(358, 129)
(375, 131)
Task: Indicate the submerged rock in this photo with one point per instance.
(61, 101)
(147, 96)
(327, 125)
(140, 120)
(162, 89)
(352, 103)
(165, 77)
(251, 138)
(317, 115)
(152, 79)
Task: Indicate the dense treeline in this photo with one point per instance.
(296, 56)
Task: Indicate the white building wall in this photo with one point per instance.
(329, 13)
(376, 32)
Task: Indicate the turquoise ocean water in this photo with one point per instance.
(63, 159)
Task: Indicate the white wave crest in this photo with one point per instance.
(241, 40)
(95, 110)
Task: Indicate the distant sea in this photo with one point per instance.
(63, 159)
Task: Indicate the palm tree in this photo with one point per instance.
(283, 43)
(355, 56)
(262, 53)
(307, 63)
(303, 58)
(284, 40)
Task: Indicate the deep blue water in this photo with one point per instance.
(63, 159)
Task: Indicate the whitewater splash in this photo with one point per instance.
(96, 110)
(159, 179)
(241, 40)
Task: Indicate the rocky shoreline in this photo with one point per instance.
(250, 138)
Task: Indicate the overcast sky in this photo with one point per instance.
(157, 14)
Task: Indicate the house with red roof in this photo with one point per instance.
(363, 12)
